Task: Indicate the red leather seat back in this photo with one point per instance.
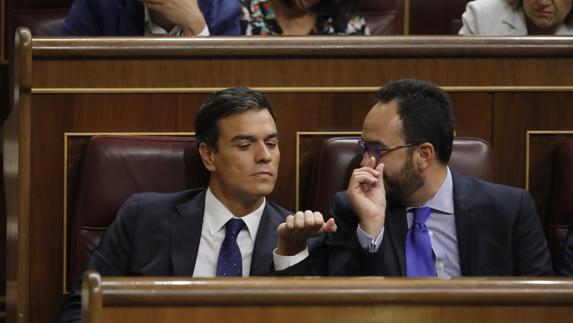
(44, 18)
(436, 17)
(42, 22)
(114, 167)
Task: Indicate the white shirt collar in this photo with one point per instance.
(217, 215)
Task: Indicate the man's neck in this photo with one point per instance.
(237, 205)
(433, 180)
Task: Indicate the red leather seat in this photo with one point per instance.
(436, 17)
(114, 167)
(340, 156)
(41, 22)
(44, 18)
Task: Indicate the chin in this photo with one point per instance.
(263, 190)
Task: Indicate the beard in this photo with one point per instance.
(401, 188)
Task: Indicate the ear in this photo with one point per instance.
(425, 155)
(207, 157)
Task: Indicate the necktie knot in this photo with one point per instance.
(233, 227)
(421, 214)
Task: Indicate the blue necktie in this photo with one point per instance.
(230, 261)
(419, 256)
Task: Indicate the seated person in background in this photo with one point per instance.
(229, 229)
(153, 17)
(518, 18)
(407, 213)
(564, 264)
(302, 17)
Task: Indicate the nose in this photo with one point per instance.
(263, 154)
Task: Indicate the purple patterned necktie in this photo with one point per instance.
(230, 261)
(419, 257)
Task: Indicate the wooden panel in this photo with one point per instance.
(499, 88)
(312, 72)
(540, 153)
(332, 314)
(516, 113)
(328, 300)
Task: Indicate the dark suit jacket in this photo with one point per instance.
(564, 264)
(498, 231)
(158, 234)
(126, 17)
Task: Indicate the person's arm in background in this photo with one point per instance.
(83, 19)
(183, 13)
(200, 17)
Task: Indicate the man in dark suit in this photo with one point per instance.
(143, 17)
(229, 229)
(407, 213)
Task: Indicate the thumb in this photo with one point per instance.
(329, 227)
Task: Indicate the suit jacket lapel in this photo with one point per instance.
(186, 226)
(265, 242)
(515, 23)
(465, 223)
(130, 18)
(397, 227)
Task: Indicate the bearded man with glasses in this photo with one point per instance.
(407, 213)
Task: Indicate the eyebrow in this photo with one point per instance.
(253, 138)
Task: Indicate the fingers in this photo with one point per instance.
(307, 219)
(380, 169)
(370, 162)
(329, 227)
(307, 222)
(364, 175)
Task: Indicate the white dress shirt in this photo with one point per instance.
(215, 218)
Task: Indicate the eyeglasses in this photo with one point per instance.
(378, 151)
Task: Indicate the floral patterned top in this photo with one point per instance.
(258, 18)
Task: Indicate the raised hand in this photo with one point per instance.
(297, 228)
(368, 196)
(183, 13)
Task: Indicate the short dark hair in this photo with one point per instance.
(222, 104)
(426, 113)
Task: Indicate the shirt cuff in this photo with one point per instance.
(204, 32)
(284, 262)
(368, 242)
